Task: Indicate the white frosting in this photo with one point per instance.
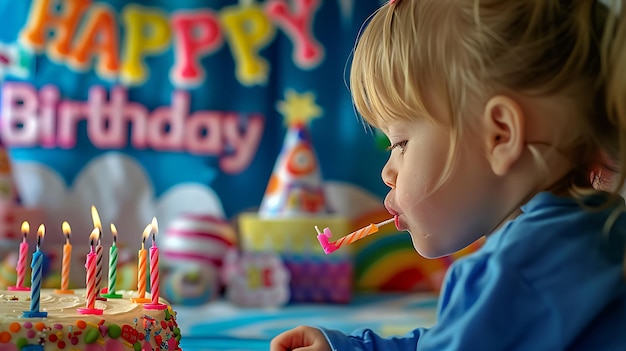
(123, 324)
(63, 307)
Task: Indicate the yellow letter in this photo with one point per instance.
(248, 30)
(147, 32)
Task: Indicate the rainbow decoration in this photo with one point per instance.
(390, 263)
(387, 261)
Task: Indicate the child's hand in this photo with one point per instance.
(301, 338)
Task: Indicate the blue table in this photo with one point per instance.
(221, 326)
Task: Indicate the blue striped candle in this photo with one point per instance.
(35, 280)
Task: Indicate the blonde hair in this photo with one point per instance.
(465, 50)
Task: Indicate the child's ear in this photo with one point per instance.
(504, 122)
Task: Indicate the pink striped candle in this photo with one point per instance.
(91, 278)
(21, 261)
(92, 290)
(155, 291)
(155, 284)
(99, 249)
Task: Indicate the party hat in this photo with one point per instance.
(295, 186)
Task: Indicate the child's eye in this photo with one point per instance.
(400, 144)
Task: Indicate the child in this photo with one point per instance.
(501, 116)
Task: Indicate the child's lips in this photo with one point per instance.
(399, 225)
(396, 218)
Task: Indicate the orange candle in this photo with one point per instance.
(67, 261)
(141, 268)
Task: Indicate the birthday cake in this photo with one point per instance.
(123, 325)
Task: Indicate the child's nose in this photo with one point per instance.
(389, 176)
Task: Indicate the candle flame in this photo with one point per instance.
(41, 231)
(25, 227)
(95, 233)
(96, 218)
(155, 225)
(66, 228)
(114, 231)
(147, 231)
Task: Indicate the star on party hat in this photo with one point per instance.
(295, 186)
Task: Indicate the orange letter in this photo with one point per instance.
(98, 36)
(43, 17)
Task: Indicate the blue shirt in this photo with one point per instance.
(551, 279)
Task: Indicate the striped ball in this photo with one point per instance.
(198, 239)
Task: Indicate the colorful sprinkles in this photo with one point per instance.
(165, 334)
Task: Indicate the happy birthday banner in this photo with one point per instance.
(164, 107)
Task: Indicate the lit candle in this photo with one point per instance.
(90, 265)
(141, 268)
(99, 249)
(154, 272)
(67, 261)
(113, 267)
(35, 282)
(21, 261)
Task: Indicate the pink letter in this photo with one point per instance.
(197, 34)
(203, 134)
(133, 113)
(166, 124)
(19, 114)
(49, 97)
(244, 145)
(307, 51)
(104, 126)
(70, 113)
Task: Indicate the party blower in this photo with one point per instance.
(348, 239)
